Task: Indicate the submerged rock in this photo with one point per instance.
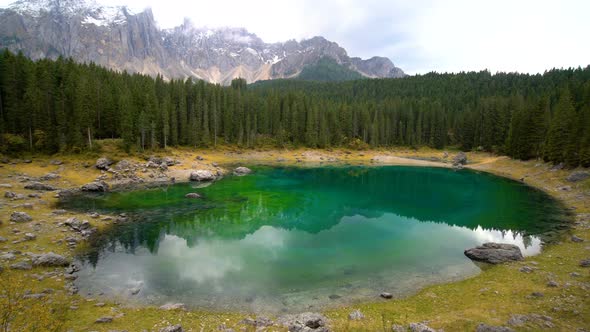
(173, 306)
(192, 195)
(20, 217)
(386, 295)
(40, 186)
(202, 175)
(495, 253)
(240, 171)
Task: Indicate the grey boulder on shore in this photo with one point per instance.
(495, 253)
(240, 171)
(95, 187)
(202, 175)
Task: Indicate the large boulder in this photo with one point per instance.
(578, 176)
(40, 186)
(95, 187)
(20, 217)
(307, 321)
(460, 159)
(495, 253)
(50, 260)
(103, 163)
(202, 175)
(240, 171)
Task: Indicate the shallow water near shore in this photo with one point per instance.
(293, 239)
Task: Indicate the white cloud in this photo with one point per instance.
(419, 36)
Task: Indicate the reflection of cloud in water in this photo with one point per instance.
(212, 259)
(529, 245)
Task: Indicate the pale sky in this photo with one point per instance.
(418, 36)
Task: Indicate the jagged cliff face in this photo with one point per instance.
(117, 38)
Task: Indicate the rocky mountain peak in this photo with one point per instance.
(117, 38)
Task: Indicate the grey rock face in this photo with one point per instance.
(495, 253)
(117, 38)
(202, 175)
(20, 217)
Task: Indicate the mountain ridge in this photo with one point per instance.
(120, 39)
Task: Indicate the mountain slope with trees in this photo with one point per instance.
(50, 106)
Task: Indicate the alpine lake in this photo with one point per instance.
(288, 239)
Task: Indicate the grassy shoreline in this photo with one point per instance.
(491, 297)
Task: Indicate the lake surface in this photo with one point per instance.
(292, 239)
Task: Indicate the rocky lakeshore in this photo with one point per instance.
(38, 242)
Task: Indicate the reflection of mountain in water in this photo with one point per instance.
(313, 200)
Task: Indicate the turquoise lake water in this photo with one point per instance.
(292, 239)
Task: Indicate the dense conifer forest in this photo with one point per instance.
(52, 106)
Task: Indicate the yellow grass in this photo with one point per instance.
(491, 297)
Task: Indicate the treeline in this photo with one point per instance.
(50, 106)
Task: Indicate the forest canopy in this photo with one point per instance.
(51, 106)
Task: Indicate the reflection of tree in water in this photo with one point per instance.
(313, 200)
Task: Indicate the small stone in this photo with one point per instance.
(99, 304)
(488, 328)
(356, 315)
(585, 263)
(576, 239)
(386, 295)
(334, 297)
(421, 327)
(103, 163)
(526, 269)
(20, 217)
(172, 328)
(518, 320)
(24, 265)
(575, 275)
(202, 175)
(552, 283)
(40, 186)
(30, 236)
(173, 306)
(105, 319)
(537, 294)
(398, 328)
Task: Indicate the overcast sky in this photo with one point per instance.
(419, 35)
